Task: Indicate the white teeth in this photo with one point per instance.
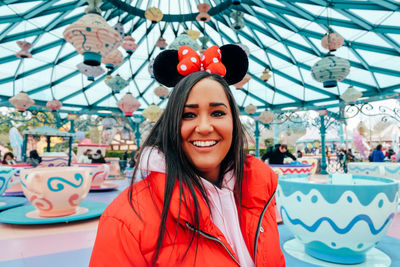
(204, 143)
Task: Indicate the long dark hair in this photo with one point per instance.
(166, 136)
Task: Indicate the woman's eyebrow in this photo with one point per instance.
(213, 104)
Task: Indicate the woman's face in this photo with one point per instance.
(8, 157)
(207, 127)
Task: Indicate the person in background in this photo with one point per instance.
(278, 155)
(8, 159)
(299, 154)
(34, 158)
(98, 157)
(84, 158)
(377, 155)
(132, 160)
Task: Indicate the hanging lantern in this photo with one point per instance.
(240, 84)
(330, 70)
(245, 48)
(250, 109)
(193, 34)
(92, 37)
(129, 44)
(265, 76)
(203, 15)
(153, 14)
(161, 91)
(90, 71)
(113, 59)
(362, 128)
(322, 112)
(21, 101)
(204, 40)
(24, 46)
(72, 116)
(351, 95)
(266, 117)
(128, 104)
(118, 27)
(108, 123)
(152, 113)
(332, 41)
(150, 68)
(237, 17)
(184, 39)
(161, 43)
(116, 83)
(54, 105)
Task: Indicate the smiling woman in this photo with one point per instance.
(207, 201)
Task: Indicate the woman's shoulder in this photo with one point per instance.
(256, 168)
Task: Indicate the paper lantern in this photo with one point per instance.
(54, 105)
(265, 76)
(72, 116)
(153, 14)
(245, 48)
(250, 109)
(24, 46)
(120, 29)
(21, 101)
(330, 70)
(128, 104)
(161, 91)
(193, 34)
(362, 128)
(161, 43)
(92, 37)
(152, 113)
(129, 44)
(332, 41)
(203, 15)
(108, 123)
(237, 17)
(204, 40)
(116, 83)
(351, 95)
(240, 84)
(266, 117)
(113, 59)
(184, 39)
(90, 71)
(322, 112)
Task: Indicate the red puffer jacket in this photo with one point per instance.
(123, 239)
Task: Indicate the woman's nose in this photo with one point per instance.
(204, 125)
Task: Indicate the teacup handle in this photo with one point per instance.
(34, 179)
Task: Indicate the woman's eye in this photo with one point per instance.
(188, 115)
(218, 113)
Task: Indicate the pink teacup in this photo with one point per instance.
(98, 172)
(55, 191)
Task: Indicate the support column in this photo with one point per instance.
(257, 135)
(323, 131)
(48, 143)
(137, 135)
(24, 147)
(71, 138)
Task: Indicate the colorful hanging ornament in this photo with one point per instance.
(237, 17)
(153, 14)
(203, 15)
(21, 101)
(108, 123)
(193, 34)
(184, 39)
(161, 91)
(92, 37)
(332, 41)
(152, 113)
(203, 40)
(351, 95)
(161, 43)
(266, 117)
(240, 84)
(128, 104)
(116, 83)
(24, 46)
(330, 70)
(113, 59)
(54, 105)
(265, 76)
(120, 29)
(250, 109)
(129, 44)
(90, 71)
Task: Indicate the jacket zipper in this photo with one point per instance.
(258, 228)
(211, 238)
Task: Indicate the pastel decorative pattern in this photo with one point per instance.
(385, 169)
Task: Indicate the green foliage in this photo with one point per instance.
(114, 154)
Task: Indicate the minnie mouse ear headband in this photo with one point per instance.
(230, 61)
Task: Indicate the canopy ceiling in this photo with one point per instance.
(284, 36)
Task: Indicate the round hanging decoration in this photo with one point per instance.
(265, 76)
(161, 43)
(113, 59)
(266, 117)
(237, 17)
(203, 40)
(54, 105)
(161, 91)
(152, 113)
(153, 14)
(184, 39)
(330, 70)
(332, 41)
(90, 71)
(108, 123)
(240, 84)
(250, 109)
(120, 29)
(351, 95)
(92, 37)
(21, 101)
(128, 104)
(24, 46)
(193, 34)
(129, 44)
(116, 83)
(203, 15)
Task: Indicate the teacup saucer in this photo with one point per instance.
(11, 202)
(28, 215)
(104, 187)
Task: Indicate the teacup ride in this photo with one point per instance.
(338, 222)
(99, 173)
(291, 168)
(56, 195)
(14, 187)
(6, 202)
(54, 159)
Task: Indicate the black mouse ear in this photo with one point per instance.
(165, 68)
(235, 61)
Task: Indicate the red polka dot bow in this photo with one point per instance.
(189, 61)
